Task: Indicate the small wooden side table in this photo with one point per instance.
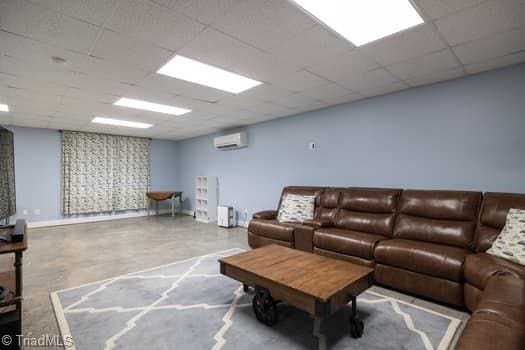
(162, 196)
(11, 306)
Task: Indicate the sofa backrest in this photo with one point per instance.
(444, 217)
(370, 210)
(330, 201)
(492, 216)
(306, 191)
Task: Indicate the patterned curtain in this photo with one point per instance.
(103, 173)
(7, 175)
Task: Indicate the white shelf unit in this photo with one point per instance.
(206, 200)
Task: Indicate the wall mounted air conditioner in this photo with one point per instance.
(233, 141)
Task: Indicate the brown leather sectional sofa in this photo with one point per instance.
(428, 243)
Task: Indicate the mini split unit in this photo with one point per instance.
(232, 141)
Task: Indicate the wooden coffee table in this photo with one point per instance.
(313, 283)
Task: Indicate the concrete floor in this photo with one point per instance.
(67, 256)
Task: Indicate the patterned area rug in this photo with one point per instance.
(189, 305)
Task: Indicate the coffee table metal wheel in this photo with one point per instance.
(265, 307)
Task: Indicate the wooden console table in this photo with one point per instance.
(11, 277)
(162, 196)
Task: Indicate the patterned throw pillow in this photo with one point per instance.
(510, 243)
(296, 208)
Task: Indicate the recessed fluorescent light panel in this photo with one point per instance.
(119, 122)
(184, 68)
(150, 106)
(363, 21)
(4, 107)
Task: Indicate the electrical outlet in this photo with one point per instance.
(245, 214)
(25, 212)
(37, 211)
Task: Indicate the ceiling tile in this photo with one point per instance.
(378, 90)
(20, 68)
(204, 11)
(489, 17)
(143, 93)
(440, 8)
(153, 23)
(492, 46)
(40, 54)
(159, 82)
(343, 99)
(434, 62)
(92, 83)
(311, 46)
(344, 66)
(299, 81)
(127, 51)
(17, 85)
(368, 80)
(410, 43)
(107, 69)
(495, 63)
(38, 22)
(5, 119)
(326, 92)
(90, 96)
(295, 100)
(259, 94)
(434, 77)
(220, 50)
(92, 11)
(32, 50)
(264, 23)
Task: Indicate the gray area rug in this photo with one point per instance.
(189, 305)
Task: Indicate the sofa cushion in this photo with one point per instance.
(255, 241)
(510, 243)
(347, 242)
(427, 258)
(493, 216)
(329, 204)
(480, 267)
(443, 217)
(272, 229)
(368, 210)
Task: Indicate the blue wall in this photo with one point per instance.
(38, 171)
(462, 134)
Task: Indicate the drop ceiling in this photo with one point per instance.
(113, 48)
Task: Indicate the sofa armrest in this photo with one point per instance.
(318, 223)
(304, 238)
(266, 214)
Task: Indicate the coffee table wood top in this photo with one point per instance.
(314, 275)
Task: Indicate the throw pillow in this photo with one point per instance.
(510, 243)
(296, 208)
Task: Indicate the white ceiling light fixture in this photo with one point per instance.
(184, 68)
(4, 107)
(150, 106)
(363, 21)
(118, 122)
